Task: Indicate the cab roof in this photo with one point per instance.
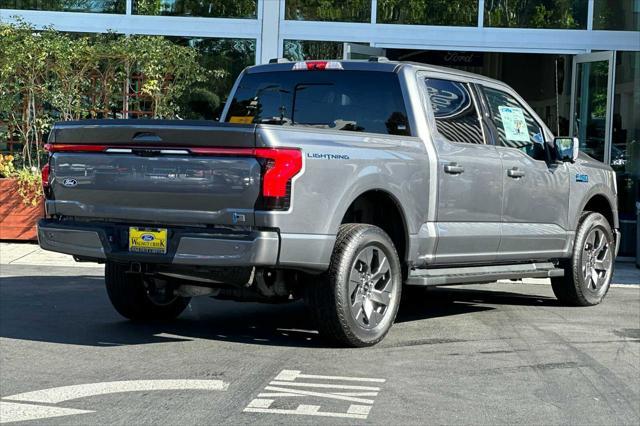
(374, 65)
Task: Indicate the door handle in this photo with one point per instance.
(515, 173)
(453, 168)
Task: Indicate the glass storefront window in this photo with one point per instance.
(563, 14)
(328, 10)
(622, 15)
(204, 8)
(301, 50)
(625, 144)
(224, 59)
(428, 12)
(94, 6)
(592, 82)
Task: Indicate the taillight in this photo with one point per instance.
(282, 165)
(317, 65)
(73, 148)
(45, 176)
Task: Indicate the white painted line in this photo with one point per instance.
(261, 403)
(546, 281)
(16, 412)
(325, 386)
(173, 336)
(297, 411)
(287, 394)
(308, 409)
(290, 375)
(67, 393)
(298, 330)
(286, 385)
(277, 395)
(320, 394)
(359, 409)
(356, 393)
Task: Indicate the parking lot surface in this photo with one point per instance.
(499, 353)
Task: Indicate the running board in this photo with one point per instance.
(481, 274)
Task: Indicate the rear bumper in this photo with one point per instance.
(185, 246)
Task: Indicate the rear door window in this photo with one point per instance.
(358, 101)
(454, 111)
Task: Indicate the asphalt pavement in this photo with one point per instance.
(486, 354)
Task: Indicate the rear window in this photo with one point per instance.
(358, 101)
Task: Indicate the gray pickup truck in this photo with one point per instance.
(338, 182)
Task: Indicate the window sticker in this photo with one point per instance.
(241, 119)
(514, 124)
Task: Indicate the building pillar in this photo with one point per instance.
(270, 12)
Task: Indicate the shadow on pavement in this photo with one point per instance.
(75, 310)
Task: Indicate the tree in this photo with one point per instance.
(428, 12)
(300, 50)
(536, 13)
(213, 8)
(328, 10)
(48, 75)
(24, 67)
(167, 71)
(73, 62)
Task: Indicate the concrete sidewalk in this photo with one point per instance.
(31, 254)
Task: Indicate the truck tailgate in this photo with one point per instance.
(155, 172)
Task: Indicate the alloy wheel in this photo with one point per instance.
(597, 260)
(370, 287)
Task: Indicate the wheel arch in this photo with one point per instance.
(380, 208)
(600, 202)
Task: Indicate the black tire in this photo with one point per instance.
(129, 296)
(578, 287)
(331, 300)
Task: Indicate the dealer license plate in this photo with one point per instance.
(148, 240)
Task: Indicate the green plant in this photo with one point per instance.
(148, 7)
(7, 168)
(24, 65)
(167, 71)
(47, 76)
(29, 185)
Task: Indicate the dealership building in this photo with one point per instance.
(576, 62)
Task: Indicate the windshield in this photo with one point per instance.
(359, 101)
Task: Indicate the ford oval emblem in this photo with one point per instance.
(70, 183)
(147, 237)
(448, 98)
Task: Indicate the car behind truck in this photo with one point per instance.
(339, 182)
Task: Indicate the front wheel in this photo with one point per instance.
(588, 273)
(355, 302)
(135, 301)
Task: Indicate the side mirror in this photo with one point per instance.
(566, 148)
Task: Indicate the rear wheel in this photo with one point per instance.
(135, 301)
(588, 273)
(356, 301)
